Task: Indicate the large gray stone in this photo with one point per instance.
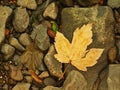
(5, 12)
(39, 34)
(114, 3)
(113, 79)
(54, 67)
(103, 36)
(74, 81)
(21, 19)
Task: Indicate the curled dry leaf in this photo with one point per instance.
(75, 52)
(32, 57)
(35, 77)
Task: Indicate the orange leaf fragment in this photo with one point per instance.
(7, 32)
(51, 33)
(35, 77)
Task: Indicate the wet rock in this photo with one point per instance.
(87, 2)
(30, 4)
(14, 42)
(49, 81)
(74, 81)
(51, 11)
(25, 39)
(8, 51)
(113, 79)
(16, 73)
(21, 86)
(39, 34)
(5, 12)
(44, 74)
(54, 67)
(21, 19)
(103, 34)
(114, 3)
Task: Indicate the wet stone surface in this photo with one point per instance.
(102, 37)
(27, 38)
(40, 36)
(53, 65)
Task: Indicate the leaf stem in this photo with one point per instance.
(66, 68)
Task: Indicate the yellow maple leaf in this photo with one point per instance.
(75, 52)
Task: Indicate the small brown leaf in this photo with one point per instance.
(32, 57)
